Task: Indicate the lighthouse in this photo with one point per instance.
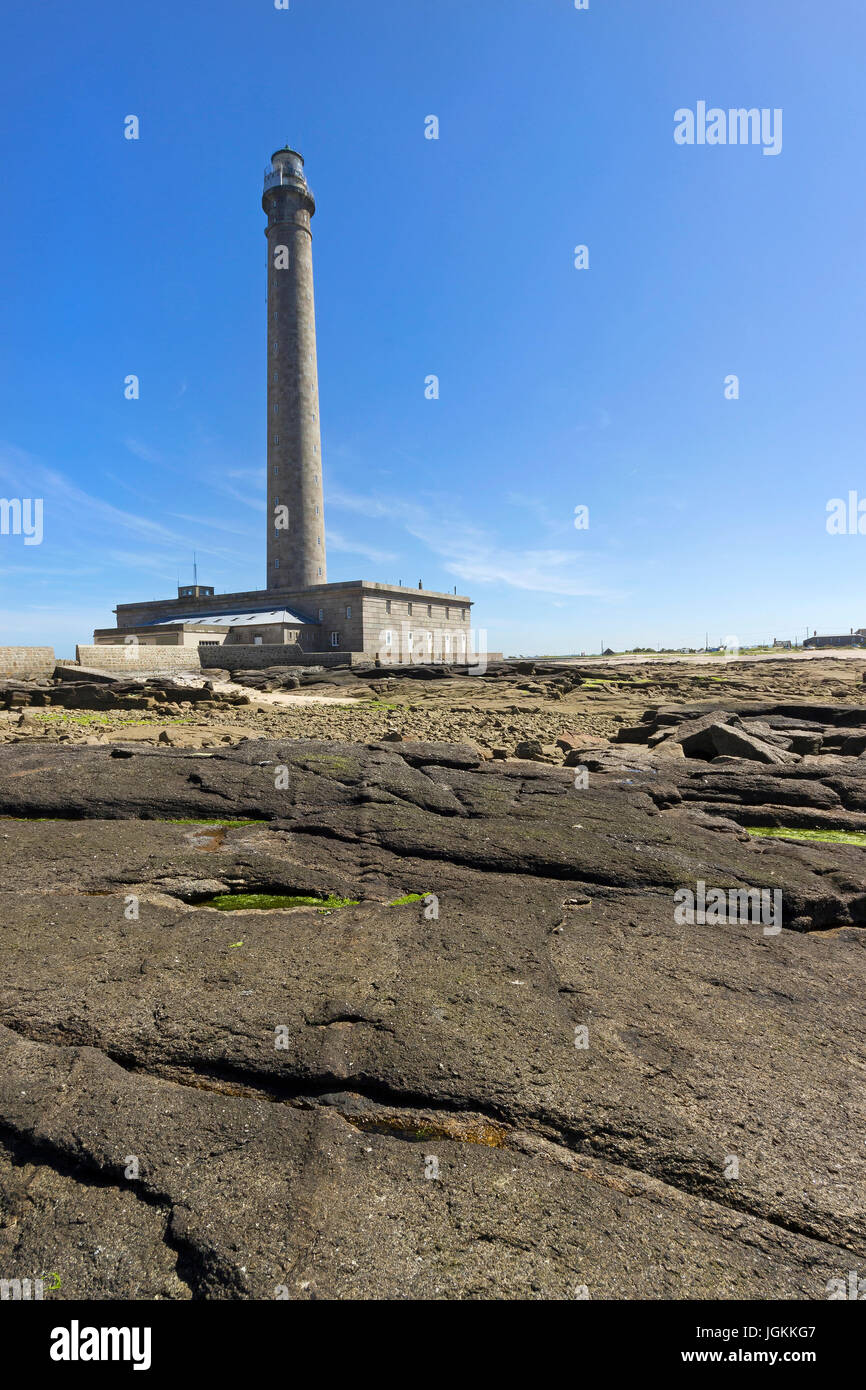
(295, 515)
(298, 617)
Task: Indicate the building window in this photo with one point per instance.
(448, 641)
(387, 605)
(276, 469)
(463, 614)
(317, 511)
(321, 610)
(387, 638)
(276, 347)
(318, 540)
(208, 644)
(447, 612)
(276, 439)
(348, 610)
(335, 639)
(276, 376)
(276, 408)
(276, 564)
(409, 609)
(320, 571)
(429, 610)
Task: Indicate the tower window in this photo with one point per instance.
(317, 511)
(276, 408)
(387, 605)
(276, 564)
(318, 540)
(320, 571)
(348, 610)
(276, 439)
(429, 610)
(276, 469)
(409, 609)
(447, 612)
(335, 639)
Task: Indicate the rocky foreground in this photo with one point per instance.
(486, 1061)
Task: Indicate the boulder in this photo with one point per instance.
(737, 743)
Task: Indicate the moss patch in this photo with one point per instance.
(830, 837)
(273, 902)
(409, 898)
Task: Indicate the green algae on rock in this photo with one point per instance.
(830, 837)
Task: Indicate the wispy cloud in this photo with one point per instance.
(248, 532)
(379, 508)
(477, 557)
(143, 451)
(86, 515)
(337, 541)
(553, 524)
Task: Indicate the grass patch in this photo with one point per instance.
(273, 902)
(409, 898)
(829, 837)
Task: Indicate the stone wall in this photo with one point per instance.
(135, 658)
(27, 663)
(244, 658)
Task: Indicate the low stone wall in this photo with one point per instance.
(242, 657)
(253, 658)
(132, 657)
(27, 662)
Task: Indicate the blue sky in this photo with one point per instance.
(558, 387)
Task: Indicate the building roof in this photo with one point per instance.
(267, 617)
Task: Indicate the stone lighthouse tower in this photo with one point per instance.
(296, 518)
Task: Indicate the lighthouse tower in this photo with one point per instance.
(296, 517)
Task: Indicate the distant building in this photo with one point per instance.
(848, 639)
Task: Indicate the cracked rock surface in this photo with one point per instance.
(528, 1081)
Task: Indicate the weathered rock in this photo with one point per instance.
(271, 1069)
(531, 750)
(738, 743)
